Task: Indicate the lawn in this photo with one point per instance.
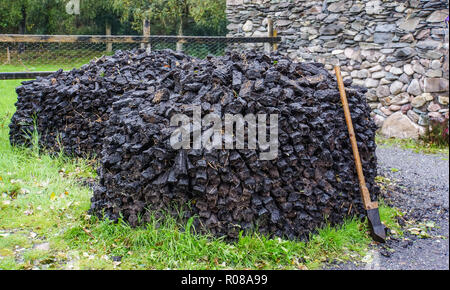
(35, 68)
(44, 224)
(48, 60)
(53, 58)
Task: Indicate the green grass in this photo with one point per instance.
(49, 60)
(53, 58)
(42, 201)
(40, 67)
(417, 146)
(34, 66)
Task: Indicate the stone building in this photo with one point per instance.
(397, 49)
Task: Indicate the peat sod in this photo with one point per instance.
(119, 108)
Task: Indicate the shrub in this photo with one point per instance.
(437, 133)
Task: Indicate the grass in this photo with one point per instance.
(53, 58)
(49, 60)
(42, 201)
(50, 66)
(417, 146)
(35, 68)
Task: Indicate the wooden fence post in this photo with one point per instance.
(179, 45)
(275, 45)
(146, 32)
(180, 42)
(268, 46)
(108, 32)
(8, 56)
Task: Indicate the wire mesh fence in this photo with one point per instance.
(20, 53)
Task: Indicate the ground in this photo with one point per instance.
(422, 194)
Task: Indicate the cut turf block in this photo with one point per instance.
(120, 108)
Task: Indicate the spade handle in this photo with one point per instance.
(368, 204)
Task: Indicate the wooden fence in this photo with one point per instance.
(23, 52)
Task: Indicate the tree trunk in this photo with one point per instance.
(108, 32)
(23, 27)
(180, 33)
(146, 32)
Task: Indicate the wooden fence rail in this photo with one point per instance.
(24, 75)
(13, 43)
(132, 39)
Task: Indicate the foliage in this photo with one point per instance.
(11, 14)
(50, 17)
(437, 133)
(201, 17)
(173, 16)
(419, 146)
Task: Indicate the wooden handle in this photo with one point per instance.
(368, 204)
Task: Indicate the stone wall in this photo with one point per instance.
(397, 49)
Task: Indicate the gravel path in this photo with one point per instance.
(423, 194)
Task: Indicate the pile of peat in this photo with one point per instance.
(70, 109)
(120, 107)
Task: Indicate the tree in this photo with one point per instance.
(211, 17)
(32, 16)
(13, 15)
(199, 17)
(175, 16)
(97, 14)
(50, 17)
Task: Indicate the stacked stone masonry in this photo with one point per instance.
(397, 49)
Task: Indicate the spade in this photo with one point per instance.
(377, 229)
